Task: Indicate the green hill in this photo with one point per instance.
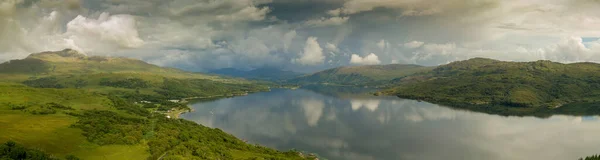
(70, 69)
(71, 62)
(66, 104)
(511, 88)
(361, 75)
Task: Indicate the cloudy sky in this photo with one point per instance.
(303, 35)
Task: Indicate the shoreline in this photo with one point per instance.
(176, 114)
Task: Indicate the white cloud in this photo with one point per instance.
(442, 49)
(370, 59)
(335, 12)
(288, 38)
(226, 32)
(413, 44)
(313, 53)
(570, 49)
(323, 22)
(331, 47)
(249, 13)
(118, 31)
(381, 44)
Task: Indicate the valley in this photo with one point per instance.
(69, 105)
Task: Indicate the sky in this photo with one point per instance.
(304, 35)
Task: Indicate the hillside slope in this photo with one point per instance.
(70, 69)
(510, 87)
(361, 75)
(71, 62)
(70, 105)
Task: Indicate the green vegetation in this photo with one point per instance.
(131, 83)
(374, 75)
(537, 88)
(69, 105)
(12, 151)
(46, 82)
(594, 157)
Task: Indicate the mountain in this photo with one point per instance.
(70, 69)
(265, 73)
(75, 106)
(72, 62)
(511, 88)
(361, 75)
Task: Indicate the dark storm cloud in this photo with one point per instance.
(303, 35)
(295, 11)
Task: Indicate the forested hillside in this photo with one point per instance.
(510, 87)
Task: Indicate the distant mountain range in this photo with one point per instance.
(369, 75)
(265, 73)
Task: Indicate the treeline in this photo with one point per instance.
(131, 83)
(41, 109)
(173, 138)
(13, 151)
(594, 157)
(46, 82)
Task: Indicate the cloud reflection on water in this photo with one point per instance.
(392, 128)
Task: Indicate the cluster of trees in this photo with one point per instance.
(46, 82)
(131, 83)
(169, 138)
(13, 151)
(107, 127)
(181, 138)
(122, 100)
(122, 104)
(41, 109)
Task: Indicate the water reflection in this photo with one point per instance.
(364, 128)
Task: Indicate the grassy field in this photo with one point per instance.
(53, 132)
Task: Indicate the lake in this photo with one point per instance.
(362, 127)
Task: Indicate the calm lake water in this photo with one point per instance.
(361, 127)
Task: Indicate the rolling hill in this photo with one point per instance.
(72, 62)
(67, 104)
(70, 69)
(361, 75)
(511, 88)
